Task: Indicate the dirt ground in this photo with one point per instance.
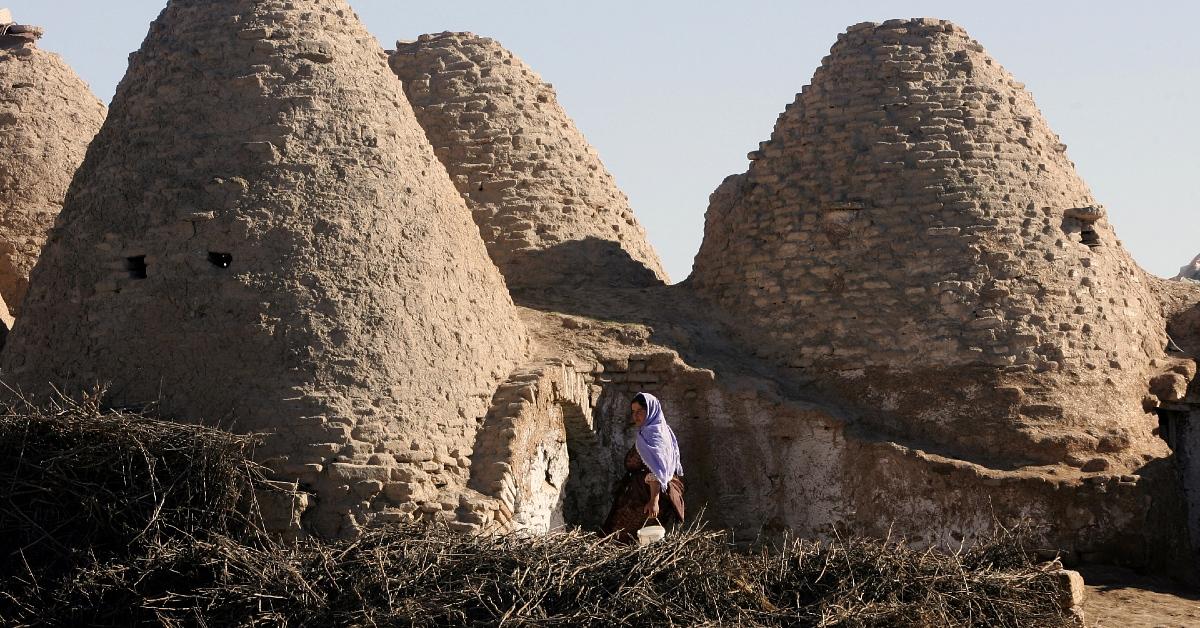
(1119, 598)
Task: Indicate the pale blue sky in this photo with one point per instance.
(674, 93)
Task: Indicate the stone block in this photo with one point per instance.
(464, 527)
(253, 33)
(281, 509)
(351, 473)
(367, 488)
(1169, 386)
(1071, 589)
(413, 456)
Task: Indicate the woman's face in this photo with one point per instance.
(637, 414)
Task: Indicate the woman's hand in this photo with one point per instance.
(651, 508)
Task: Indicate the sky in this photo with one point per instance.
(674, 93)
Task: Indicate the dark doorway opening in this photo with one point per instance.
(1170, 426)
(587, 491)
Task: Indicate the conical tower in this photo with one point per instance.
(262, 236)
(547, 208)
(1191, 271)
(47, 118)
(914, 240)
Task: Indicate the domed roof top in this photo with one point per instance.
(546, 206)
(47, 118)
(262, 235)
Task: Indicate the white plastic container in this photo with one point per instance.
(651, 534)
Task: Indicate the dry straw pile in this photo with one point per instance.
(116, 518)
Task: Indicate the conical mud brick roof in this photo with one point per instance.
(1191, 271)
(261, 234)
(47, 118)
(550, 212)
(913, 226)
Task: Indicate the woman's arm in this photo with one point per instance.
(651, 509)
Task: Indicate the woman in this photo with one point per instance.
(652, 470)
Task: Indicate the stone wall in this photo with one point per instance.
(47, 118)
(914, 241)
(763, 464)
(553, 448)
(549, 211)
(262, 238)
(753, 463)
(1115, 518)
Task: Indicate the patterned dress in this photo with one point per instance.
(631, 496)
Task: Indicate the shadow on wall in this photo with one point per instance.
(577, 263)
(592, 471)
(1184, 329)
(1179, 422)
(1165, 550)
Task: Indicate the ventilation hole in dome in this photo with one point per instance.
(1089, 236)
(136, 266)
(220, 260)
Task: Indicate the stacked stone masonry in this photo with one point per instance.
(47, 118)
(763, 464)
(914, 237)
(261, 237)
(547, 208)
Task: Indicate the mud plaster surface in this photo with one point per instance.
(47, 118)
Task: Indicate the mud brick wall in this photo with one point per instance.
(763, 465)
